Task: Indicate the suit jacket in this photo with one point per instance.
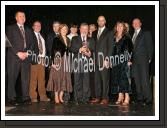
(35, 48)
(16, 39)
(143, 46)
(49, 42)
(102, 45)
(76, 44)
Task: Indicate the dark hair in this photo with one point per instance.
(73, 25)
(84, 24)
(19, 12)
(37, 21)
(136, 18)
(56, 22)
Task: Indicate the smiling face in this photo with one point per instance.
(37, 26)
(84, 30)
(136, 24)
(56, 27)
(92, 28)
(20, 18)
(64, 31)
(73, 30)
(120, 27)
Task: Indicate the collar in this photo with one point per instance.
(102, 28)
(20, 25)
(138, 30)
(36, 33)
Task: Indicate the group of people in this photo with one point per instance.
(87, 87)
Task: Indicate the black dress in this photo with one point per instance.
(119, 71)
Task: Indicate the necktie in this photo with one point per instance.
(83, 39)
(40, 44)
(23, 34)
(134, 37)
(99, 33)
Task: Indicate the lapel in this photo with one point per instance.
(137, 39)
(80, 40)
(102, 34)
(18, 30)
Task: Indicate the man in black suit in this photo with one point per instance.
(142, 55)
(20, 38)
(51, 36)
(82, 47)
(101, 76)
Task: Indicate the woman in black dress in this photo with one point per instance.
(60, 77)
(119, 79)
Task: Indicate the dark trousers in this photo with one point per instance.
(102, 83)
(141, 77)
(16, 66)
(81, 87)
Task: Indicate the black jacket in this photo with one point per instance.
(59, 46)
(16, 39)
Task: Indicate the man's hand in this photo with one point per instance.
(82, 49)
(106, 64)
(129, 63)
(22, 55)
(87, 53)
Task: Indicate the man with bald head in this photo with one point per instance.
(142, 55)
(101, 76)
(20, 38)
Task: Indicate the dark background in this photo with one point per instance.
(116, 124)
(82, 13)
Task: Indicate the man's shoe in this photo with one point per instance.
(104, 102)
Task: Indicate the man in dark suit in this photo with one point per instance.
(20, 38)
(101, 76)
(49, 42)
(51, 36)
(82, 48)
(142, 55)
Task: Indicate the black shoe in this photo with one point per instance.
(85, 102)
(76, 103)
(27, 102)
(13, 103)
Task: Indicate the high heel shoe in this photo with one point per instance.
(119, 101)
(126, 101)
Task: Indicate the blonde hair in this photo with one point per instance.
(62, 26)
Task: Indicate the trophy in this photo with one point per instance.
(85, 45)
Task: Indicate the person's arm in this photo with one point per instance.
(9, 34)
(149, 43)
(74, 47)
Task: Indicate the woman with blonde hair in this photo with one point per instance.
(60, 79)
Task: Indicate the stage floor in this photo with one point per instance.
(49, 108)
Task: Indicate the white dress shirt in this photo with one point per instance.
(20, 25)
(138, 30)
(70, 36)
(43, 44)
